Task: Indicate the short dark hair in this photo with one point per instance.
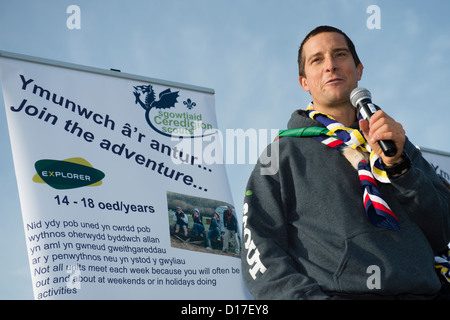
(316, 31)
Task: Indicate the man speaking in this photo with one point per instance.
(340, 219)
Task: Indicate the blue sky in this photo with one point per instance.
(247, 52)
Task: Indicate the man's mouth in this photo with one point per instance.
(334, 81)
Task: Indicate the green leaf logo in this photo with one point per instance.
(67, 174)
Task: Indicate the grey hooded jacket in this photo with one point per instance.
(306, 236)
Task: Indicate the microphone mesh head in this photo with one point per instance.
(358, 94)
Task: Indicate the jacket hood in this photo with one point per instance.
(300, 119)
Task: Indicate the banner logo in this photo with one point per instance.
(67, 174)
(171, 123)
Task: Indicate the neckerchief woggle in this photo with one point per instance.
(337, 136)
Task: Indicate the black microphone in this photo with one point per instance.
(362, 99)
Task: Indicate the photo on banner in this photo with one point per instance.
(203, 225)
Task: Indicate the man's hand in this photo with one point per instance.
(383, 127)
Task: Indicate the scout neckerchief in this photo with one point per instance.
(442, 263)
(339, 137)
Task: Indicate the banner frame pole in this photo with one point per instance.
(112, 73)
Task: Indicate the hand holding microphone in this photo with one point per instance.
(362, 99)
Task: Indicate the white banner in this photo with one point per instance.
(439, 160)
(102, 171)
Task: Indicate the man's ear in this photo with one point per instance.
(303, 83)
(360, 68)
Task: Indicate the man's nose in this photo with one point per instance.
(331, 65)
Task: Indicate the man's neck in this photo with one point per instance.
(345, 114)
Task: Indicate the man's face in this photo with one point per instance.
(330, 71)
